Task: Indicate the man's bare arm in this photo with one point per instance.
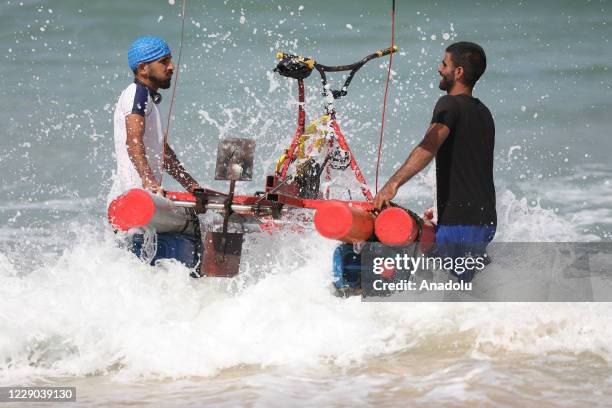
(135, 126)
(418, 159)
(174, 167)
(421, 155)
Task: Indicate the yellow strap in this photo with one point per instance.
(301, 146)
(281, 160)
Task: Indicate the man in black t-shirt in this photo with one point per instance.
(461, 137)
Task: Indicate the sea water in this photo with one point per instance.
(77, 310)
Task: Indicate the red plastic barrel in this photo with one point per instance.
(394, 226)
(428, 236)
(132, 209)
(337, 220)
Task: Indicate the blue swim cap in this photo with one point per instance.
(146, 49)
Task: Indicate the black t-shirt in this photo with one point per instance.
(464, 162)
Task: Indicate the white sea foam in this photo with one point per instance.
(96, 309)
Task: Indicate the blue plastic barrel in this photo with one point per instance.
(347, 267)
(183, 248)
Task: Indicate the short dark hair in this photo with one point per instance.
(471, 57)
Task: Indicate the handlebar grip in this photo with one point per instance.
(387, 51)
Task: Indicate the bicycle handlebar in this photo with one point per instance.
(298, 67)
(311, 62)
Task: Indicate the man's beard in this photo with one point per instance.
(446, 83)
(165, 84)
(161, 84)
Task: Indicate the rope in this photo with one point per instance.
(382, 124)
(178, 70)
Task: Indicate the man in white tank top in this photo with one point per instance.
(139, 137)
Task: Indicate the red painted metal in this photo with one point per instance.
(341, 142)
(314, 204)
(180, 196)
(353, 163)
(298, 132)
(238, 199)
(280, 198)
